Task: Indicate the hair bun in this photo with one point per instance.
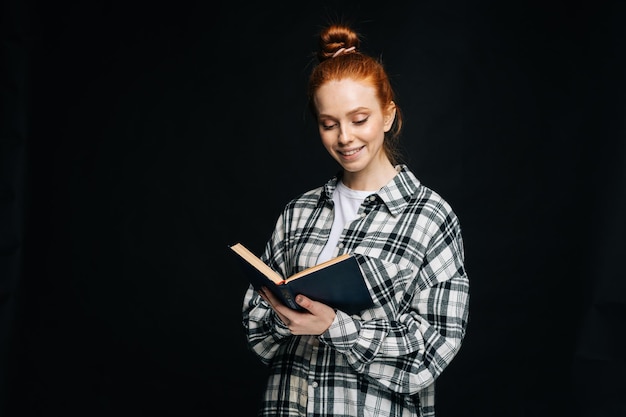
(335, 37)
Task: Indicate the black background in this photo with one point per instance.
(140, 139)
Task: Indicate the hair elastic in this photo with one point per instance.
(343, 51)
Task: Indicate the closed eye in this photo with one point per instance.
(326, 126)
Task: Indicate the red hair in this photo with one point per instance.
(356, 66)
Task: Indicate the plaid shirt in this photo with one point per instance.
(383, 361)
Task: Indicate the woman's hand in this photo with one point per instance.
(315, 321)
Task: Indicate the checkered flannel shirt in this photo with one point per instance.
(383, 361)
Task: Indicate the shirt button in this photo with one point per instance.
(314, 384)
(362, 215)
(372, 197)
(340, 245)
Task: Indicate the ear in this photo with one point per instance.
(389, 115)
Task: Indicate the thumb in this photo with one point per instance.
(304, 302)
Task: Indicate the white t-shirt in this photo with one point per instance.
(347, 202)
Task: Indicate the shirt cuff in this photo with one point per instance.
(280, 329)
(342, 333)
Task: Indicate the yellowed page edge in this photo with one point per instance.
(257, 262)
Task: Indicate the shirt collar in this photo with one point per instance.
(395, 195)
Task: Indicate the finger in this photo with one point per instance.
(263, 296)
(275, 305)
(269, 296)
(304, 302)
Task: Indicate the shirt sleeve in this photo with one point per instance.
(407, 351)
(264, 330)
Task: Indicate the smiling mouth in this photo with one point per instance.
(351, 152)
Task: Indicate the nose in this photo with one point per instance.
(344, 134)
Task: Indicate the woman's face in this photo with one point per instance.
(352, 124)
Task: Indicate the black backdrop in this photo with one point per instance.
(138, 140)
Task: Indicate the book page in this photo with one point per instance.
(255, 261)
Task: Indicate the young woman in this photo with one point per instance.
(384, 360)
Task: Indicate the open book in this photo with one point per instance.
(337, 282)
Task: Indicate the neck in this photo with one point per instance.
(369, 181)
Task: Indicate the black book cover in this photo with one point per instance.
(338, 283)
